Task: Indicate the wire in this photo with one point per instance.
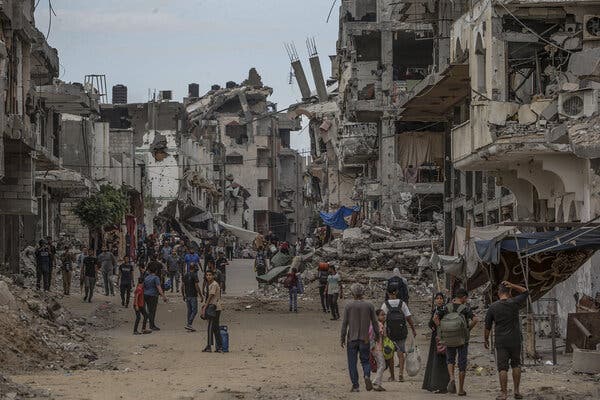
(532, 31)
(331, 10)
(50, 12)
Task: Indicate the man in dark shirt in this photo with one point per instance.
(90, 273)
(44, 259)
(191, 290)
(125, 281)
(504, 315)
(221, 265)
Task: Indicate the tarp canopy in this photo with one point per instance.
(244, 235)
(336, 220)
(538, 242)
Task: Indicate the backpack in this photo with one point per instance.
(323, 277)
(396, 322)
(453, 329)
(388, 348)
(397, 284)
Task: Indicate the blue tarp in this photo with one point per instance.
(336, 220)
(530, 243)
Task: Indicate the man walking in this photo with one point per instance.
(90, 273)
(504, 315)
(359, 316)
(323, 274)
(191, 290)
(44, 261)
(67, 259)
(221, 264)
(191, 257)
(152, 289)
(108, 263)
(229, 245)
(173, 270)
(455, 322)
(125, 281)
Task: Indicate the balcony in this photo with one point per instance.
(358, 143)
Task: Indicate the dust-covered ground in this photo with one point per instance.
(273, 355)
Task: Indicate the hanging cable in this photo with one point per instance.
(50, 13)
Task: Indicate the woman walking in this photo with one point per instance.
(377, 350)
(291, 284)
(333, 292)
(436, 373)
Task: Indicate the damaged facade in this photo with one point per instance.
(237, 148)
(516, 89)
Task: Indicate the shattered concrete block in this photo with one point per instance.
(6, 296)
(526, 116)
(545, 108)
(570, 86)
(500, 111)
(586, 64)
(402, 244)
(558, 135)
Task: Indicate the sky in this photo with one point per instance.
(167, 44)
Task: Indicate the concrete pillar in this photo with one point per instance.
(301, 79)
(317, 72)
(387, 60)
(387, 163)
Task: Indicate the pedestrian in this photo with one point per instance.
(397, 284)
(291, 284)
(436, 373)
(108, 263)
(211, 311)
(377, 350)
(67, 259)
(91, 267)
(152, 289)
(221, 265)
(260, 261)
(504, 316)
(192, 257)
(157, 266)
(140, 309)
(323, 274)
(397, 317)
(359, 317)
(209, 259)
(454, 322)
(44, 263)
(229, 245)
(80, 258)
(166, 251)
(125, 281)
(190, 290)
(173, 270)
(333, 292)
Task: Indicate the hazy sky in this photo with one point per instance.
(166, 44)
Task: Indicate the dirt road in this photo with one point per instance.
(274, 355)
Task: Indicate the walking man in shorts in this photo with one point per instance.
(504, 315)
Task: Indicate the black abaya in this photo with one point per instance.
(436, 373)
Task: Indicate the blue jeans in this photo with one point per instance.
(354, 349)
(293, 299)
(192, 309)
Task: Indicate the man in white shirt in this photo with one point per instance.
(398, 315)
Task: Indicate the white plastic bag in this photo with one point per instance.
(413, 360)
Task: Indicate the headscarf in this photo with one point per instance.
(396, 272)
(433, 306)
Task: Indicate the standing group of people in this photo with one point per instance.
(371, 336)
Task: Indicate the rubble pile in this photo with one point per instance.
(37, 332)
(406, 246)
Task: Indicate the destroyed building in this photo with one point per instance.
(516, 91)
(238, 135)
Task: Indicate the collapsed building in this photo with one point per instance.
(237, 152)
(485, 111)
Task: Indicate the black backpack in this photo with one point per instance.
(323, 277)
(396, 284)
(396, 322)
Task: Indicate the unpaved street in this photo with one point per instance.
(274, 355)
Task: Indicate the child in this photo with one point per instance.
(140, 310)
(377, 350)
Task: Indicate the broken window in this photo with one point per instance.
(412, 57)
(480, 71)
(237, 132)
(365, 11)
(469, 184)
(491, 187)
(492, 217)
(368, 46)
(478, 185)
(234, 159)
(263, 188)
(263, 158)
(457, 183)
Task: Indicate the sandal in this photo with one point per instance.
(501, 396)
(518, 396)
(463, 393)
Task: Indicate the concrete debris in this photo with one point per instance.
(37, 332)
(158, 148)
(584, 137)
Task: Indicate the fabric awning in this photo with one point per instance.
(336, 219)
